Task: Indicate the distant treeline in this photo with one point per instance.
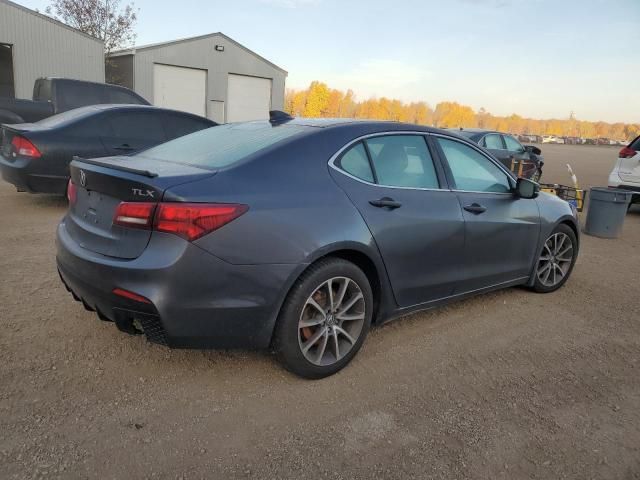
(321, 101)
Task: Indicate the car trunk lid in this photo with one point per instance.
(102, 184)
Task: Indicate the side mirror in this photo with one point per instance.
(526, 188)
(533, 149)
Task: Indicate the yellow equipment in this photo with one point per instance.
(574, 195)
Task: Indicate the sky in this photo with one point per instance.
(537, 58)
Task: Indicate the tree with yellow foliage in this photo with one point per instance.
(321, 101)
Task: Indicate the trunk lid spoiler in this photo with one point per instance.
(101, 184)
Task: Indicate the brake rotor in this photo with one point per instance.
(321, 299)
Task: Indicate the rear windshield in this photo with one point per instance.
(220, 146)
(66, 117)
(635, 145)
(467, 134)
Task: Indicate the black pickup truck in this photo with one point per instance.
(55, 95)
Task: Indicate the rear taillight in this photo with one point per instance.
(72, 192)
(24, 147)
(627, 152)
(193, 220)
(135, 214)
(187, 220)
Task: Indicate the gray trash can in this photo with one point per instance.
(607, 209)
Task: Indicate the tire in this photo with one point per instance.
(554, 265)
(304, 317)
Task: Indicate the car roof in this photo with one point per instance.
(81, 113)
(380, 125)
(474, 131)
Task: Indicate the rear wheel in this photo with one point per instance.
(555, 264)
(325, 319)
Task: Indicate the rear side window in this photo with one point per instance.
(356, 163)
(64, 118)
(118, 96)
(402, 161)
(42, 90)
(176, 125)
(95, 126)
(493, 142)
(471, 170)
(223, 145)
(140, 125)
(73, 95)
(512, 144)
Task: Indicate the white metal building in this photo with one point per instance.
(211, 75)
(33, 45)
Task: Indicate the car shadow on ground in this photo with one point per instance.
(264, 363)
(37, 200)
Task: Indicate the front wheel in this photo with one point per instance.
(325, 319)
(556, 261)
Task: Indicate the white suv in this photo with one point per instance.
(626, 172)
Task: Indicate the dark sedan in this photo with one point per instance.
(526, 161)
(299, 234)
(35, 157)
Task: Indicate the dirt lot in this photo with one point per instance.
(508, 385)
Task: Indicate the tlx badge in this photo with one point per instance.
(142, 193)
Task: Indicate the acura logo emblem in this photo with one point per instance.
(83, 178)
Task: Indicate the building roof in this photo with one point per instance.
(132, 51)
(50, 19)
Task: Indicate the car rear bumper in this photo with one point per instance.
(635, 198)
(196, 299)
(616, 182)
(21, 174)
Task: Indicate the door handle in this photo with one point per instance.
(124, 146)
(386, 202)
(475, 208)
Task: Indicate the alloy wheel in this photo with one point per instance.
(555, 261)
(331, 321)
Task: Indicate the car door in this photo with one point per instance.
(132, 131)
(83, 137)
(415, 220)
(501, 230)
(494, 143)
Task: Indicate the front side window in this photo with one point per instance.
(355, 162)
(513, 145)
(73, 95)
(493, 142)
(471, 170)
(177, 125)
(402, 161)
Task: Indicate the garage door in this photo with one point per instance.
(180, 88)
(248, 98)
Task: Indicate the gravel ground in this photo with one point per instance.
(508, 385)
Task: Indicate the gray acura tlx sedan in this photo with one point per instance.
(299, 234)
